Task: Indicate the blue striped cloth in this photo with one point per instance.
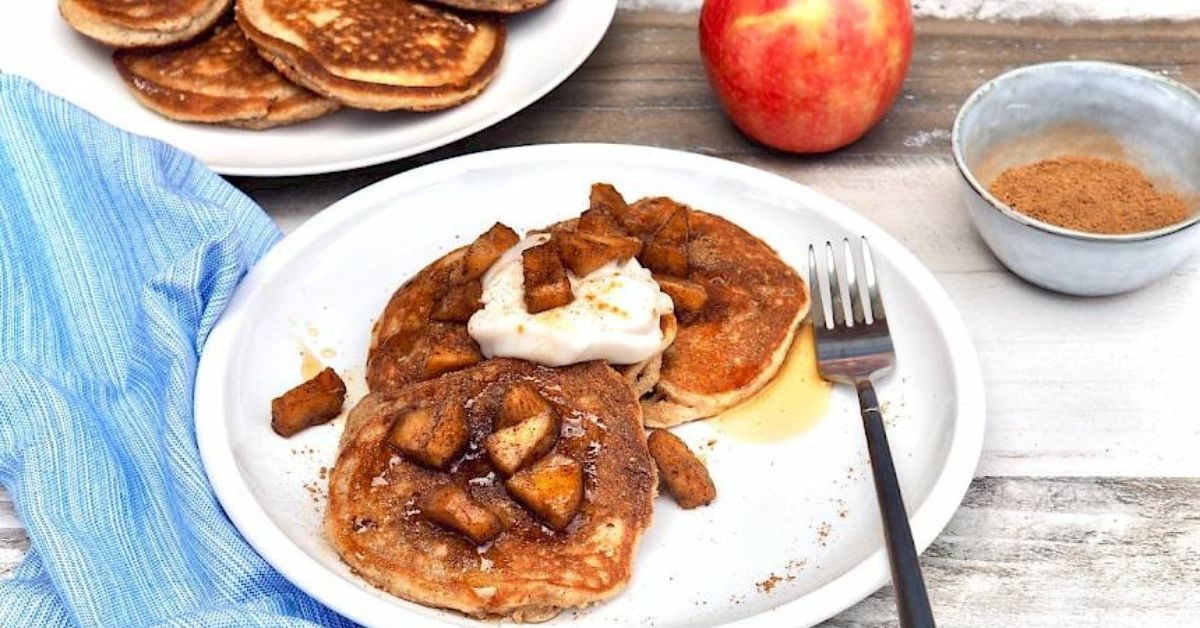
(117, 255)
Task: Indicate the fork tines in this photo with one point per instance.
(864, 309)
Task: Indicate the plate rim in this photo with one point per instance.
(594, 38)
(856, 584)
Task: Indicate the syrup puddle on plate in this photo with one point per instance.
(794, 401)
(312, 361)
(310, 364)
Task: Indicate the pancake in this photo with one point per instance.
(529, 572)
(738, 341)
(494, 6)
(142, 23)
(377, 54)
(219, 79)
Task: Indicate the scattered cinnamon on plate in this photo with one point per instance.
(1089, 194)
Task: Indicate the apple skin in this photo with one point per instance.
(806, 76)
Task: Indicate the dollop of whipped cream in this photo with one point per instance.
(614, 317)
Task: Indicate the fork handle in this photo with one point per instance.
(912, 601)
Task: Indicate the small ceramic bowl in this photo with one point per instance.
(1090, 109)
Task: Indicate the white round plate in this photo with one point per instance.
(544, 47)
(798, 514)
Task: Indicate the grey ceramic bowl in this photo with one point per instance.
(1080, 108)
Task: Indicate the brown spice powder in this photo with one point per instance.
(1089, 194)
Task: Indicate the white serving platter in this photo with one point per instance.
(543, 48)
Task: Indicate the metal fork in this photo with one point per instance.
(856, 349)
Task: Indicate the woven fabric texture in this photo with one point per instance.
(117, 255)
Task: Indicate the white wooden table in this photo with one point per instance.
(1086, 506)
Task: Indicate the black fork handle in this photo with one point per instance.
(912, 601)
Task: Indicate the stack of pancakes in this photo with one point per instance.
(286, 61)
(737, 306)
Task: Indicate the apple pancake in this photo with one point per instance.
(218, 79)
(740, 337)
(142, 23)
(737, 303)
(377, 54)
(389, 519)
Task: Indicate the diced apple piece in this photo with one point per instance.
(484, 252)
(452, 351)
(521, 401)
(601, 217)
(546, 283)
(644, 217)
(585, 252)
(449, 437)
(607, 199)
(552, 489)
(411, 432)
(453, 508)
(312, 403)
(459, 302)
(689, 297)
(599, 222)
(686, 477)
(516, 446)
(667, 250)
(432, 437)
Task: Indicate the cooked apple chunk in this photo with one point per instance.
(411, 432)
(689, 297)
(585, 252)
(546, 283)
(312, 403)
(686, 477)
(667, 250)
(484, 252)
(552, 489)
(599, 222)
(644, 217)
(453, 351)
(459, 302)
(521, 401)
(453, 508)
(433, 437)
(515, 447)
(606, 198)
(601, 217)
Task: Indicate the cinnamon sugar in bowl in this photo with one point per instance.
(1083, 177)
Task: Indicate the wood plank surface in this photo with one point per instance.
(1061, 553)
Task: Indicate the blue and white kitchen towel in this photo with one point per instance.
(117, 255)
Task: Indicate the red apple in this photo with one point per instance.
(806, 76)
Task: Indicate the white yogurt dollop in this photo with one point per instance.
(614, 317)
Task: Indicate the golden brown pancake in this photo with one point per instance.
(142, 23)
(219, 79)
(529, 572)
(739, 340)
(377, 54)
(494, 6)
